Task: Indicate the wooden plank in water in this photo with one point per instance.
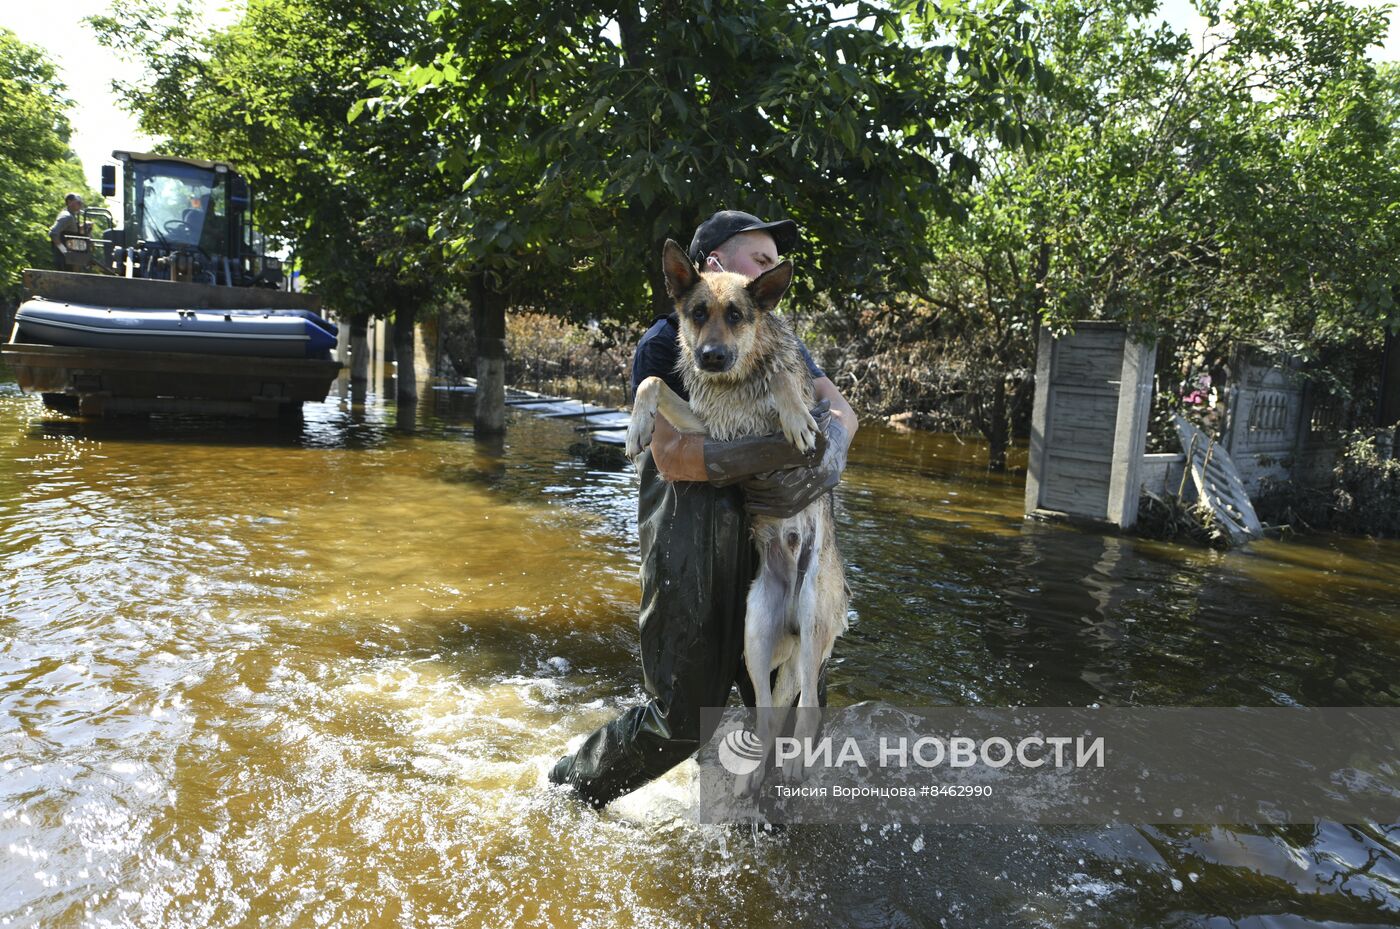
(608, 424)
(514, 395)
(599, 411)
(538, 401)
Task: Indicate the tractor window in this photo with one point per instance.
(175, 202)
(216, 220)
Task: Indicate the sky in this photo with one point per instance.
(101, 125)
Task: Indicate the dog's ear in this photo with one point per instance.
(680, 273)
(768, 288)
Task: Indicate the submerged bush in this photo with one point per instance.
(1362, 497)
(1168, 518)
(1366, 486)
(1289, 503)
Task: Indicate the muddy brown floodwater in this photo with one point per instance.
(315, 677)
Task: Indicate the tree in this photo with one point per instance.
(1202, 193)
(36, 165)
(1221, 180)
(588, 134)
(272, 94)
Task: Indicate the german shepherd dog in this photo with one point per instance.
(746, 377)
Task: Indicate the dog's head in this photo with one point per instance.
(719, 311)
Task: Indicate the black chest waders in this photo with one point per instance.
(698, 562)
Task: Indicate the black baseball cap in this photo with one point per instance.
(726, 224)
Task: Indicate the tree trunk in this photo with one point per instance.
(406, 379)
(1388, 409)
(997, 438)
(359, 353)
(489, 323)
(661, 303)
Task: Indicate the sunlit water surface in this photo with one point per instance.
(315, 677)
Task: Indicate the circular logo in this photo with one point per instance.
(740, 752)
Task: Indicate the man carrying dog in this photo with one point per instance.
(697, 557)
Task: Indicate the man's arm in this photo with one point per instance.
(678, 456)
(681, 457)
(60, 226)
(824, 389)
(840, 410)
(786, 493)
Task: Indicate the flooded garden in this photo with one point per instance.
(317, 676)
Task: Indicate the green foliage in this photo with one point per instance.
(1243, 188)
(590, 133)
(1226, 187)
(552, 147)
(36, 166)
(968, 172)
(1361, 497)
(1366, 489)
(273, 94)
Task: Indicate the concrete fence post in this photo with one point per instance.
(1093, 397)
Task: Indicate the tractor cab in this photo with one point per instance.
(182, 220)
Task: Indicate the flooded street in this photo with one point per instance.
(316, 677)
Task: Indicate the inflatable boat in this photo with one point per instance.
(259, 333)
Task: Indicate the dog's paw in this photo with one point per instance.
(801, 431)
(639, 432)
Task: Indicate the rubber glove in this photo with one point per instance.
(786, 493)
(730, 462)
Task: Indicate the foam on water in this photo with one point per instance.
(321, 680)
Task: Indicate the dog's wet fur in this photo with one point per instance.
(741, 365)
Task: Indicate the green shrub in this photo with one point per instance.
(1366, 486)
(1362, 497)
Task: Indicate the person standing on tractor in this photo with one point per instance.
(67, 223)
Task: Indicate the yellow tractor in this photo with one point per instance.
(178, 309)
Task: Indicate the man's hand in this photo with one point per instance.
(786, 493)
(840, 409)
(679, 456)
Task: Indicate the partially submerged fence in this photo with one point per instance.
(1089, 429)
(1277, 424)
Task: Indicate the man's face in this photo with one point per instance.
(748, 253)
(75, 207)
